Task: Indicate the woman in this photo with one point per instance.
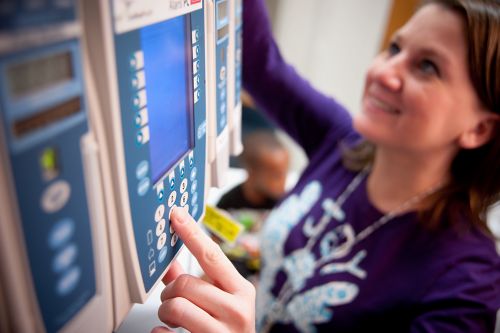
(386, 236)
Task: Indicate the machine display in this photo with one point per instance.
(28, 77)
(168, 73)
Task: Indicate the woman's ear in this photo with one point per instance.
(481, 133)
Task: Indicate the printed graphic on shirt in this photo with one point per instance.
(307, 308)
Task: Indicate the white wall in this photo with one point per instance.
(331, 43)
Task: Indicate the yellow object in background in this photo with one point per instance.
(222, 225)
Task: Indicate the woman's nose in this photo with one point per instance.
(389, 73)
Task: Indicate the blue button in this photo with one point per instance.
(202, 130)
(138, 120)
(139, 138)
(194, 199)
(136, 101)
(191, 162)
(135, 82)
(182, 173)
(68, 282)
(65, 258)
(161, 195)
(194, 211)
(133, 62)
(194, 186)
(142, 169)
(194, 173)
(172, 183)
(162, 255)
(143, 187)
(61, 233)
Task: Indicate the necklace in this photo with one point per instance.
(315, 230)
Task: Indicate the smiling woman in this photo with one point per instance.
(446, 110)
(397, 243)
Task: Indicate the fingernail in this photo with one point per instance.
(179, 215)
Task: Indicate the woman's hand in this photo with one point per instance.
(226, 305)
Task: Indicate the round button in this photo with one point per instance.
(61, 233)
(184, 198)
(194, 186)
(142, 170)
(65, 258)
(193, 174)
(160, 227)
(195, 211)
(143, 187)
(222, 73)
(138, 120)
(135, 82)
(160, 212)
(55, 197)
(68, 281)
(184, 185)
(160, 195)
(161, 241)
(162, 255)
(170, 213)
(174, 240)
(194, 199)
(171, 230)
(171, 198)
(139, 137)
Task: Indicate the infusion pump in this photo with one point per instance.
(110, 114)
(224, 45)
(54, 262)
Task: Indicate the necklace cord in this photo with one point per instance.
(286, 292)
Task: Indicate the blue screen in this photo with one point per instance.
(167, 65)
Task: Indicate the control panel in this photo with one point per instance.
(155, 121)
(218, 35)
(43, 120)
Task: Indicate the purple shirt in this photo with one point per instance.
(317, 275)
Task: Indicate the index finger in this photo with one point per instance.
(209, 255)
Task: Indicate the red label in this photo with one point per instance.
(195, 1)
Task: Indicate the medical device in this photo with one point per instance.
(54, 269)
(234, 76)
(147, 76)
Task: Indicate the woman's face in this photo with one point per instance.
(418, 95)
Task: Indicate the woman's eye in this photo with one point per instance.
(428, 67)
(393, 48)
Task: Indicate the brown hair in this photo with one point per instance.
(475, 182)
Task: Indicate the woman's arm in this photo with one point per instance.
(303, 112)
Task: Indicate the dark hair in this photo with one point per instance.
(475, 182)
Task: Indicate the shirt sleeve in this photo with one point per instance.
(465, 298)
(304, 113)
